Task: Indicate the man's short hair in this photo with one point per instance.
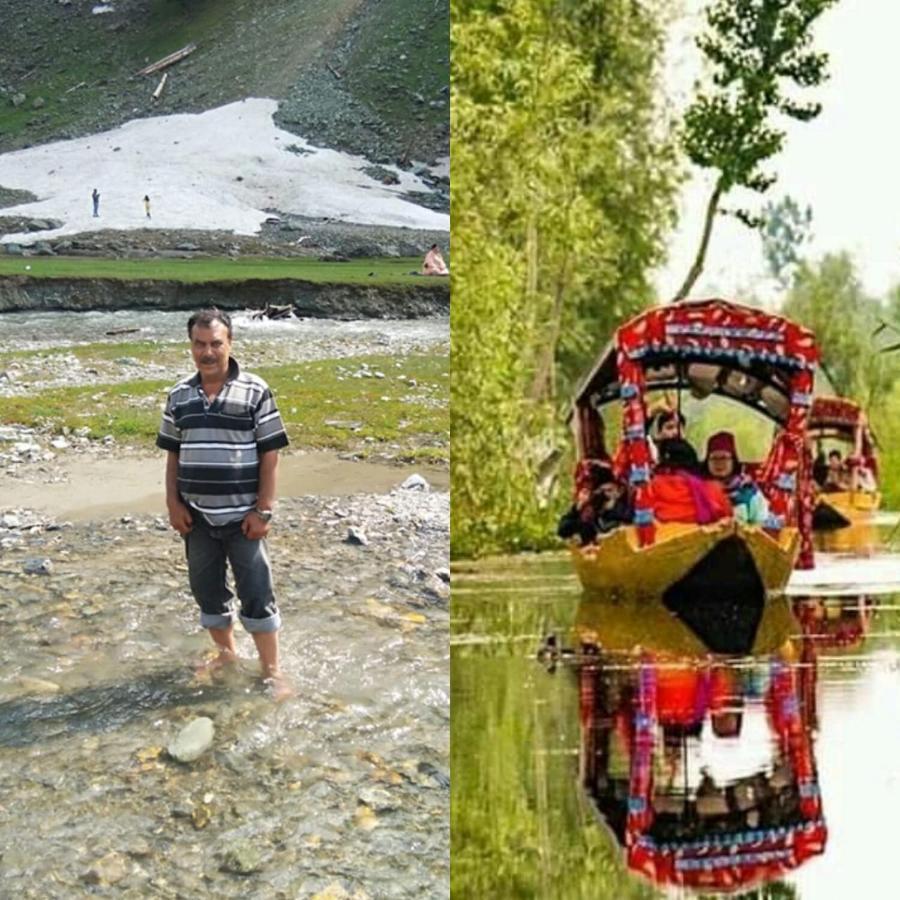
(205, 318)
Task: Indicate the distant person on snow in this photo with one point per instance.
(95, 196)
(147, 205)
(434, 263)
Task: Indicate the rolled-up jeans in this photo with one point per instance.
(208, 548)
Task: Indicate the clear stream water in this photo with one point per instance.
(347, 782)
(343, 789)
(41, 330)
(546, 736)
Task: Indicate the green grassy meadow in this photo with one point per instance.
(260, 45)
(357, 271)
(403, 415)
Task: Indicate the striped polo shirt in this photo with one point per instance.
(218, 442)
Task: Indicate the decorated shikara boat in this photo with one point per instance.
(841, 420)
(761, 361)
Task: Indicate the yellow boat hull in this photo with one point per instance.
(853, 506)
(618, 566)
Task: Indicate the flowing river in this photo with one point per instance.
(342, 790)
(39, 330)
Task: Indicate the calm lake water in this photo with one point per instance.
(622, 730)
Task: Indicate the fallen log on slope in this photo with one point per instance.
(169, 60)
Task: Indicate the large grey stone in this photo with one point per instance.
(415, 482)
(37, 566)
(193, 740)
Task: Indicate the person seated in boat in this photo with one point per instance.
(722, 464)
(820, 469)
(433, 263)
(858, 476)
(836, 479)
(663, 424)
(865, 479)
(605, 507)
(614, 507)
(679, 493)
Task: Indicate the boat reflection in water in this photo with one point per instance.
(859, 538)
(703, 766)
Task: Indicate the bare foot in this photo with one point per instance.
(222, 661)
(280, 688)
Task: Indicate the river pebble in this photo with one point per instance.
(108, 870)
(357, 536)
(37, 567)
(241, 859)
(193, 740)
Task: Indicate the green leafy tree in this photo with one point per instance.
(563, 191)
(888, 329)
(758, 50)
(784, 230)
(829, 298)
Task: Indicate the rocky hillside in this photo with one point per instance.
(366, 76)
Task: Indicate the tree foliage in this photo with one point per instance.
(562, 195)
(759, 51)
(785, 229)
(828, 297)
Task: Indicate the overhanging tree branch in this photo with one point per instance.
(757, 49)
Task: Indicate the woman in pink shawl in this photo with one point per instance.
(679, 493)
(434, 263)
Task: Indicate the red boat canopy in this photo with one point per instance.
(707, 347)
(836, 413)
(759, 359)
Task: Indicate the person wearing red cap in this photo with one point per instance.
(722, 464)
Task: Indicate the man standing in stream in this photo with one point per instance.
(222, 431)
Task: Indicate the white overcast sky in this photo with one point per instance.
(845, 164)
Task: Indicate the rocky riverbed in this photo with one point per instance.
(342, 791)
